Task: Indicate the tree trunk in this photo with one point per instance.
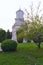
(39, 45)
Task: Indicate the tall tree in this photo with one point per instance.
(2, 35)
(8, 34)
(34, 29)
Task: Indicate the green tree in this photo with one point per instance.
(33, 28)
(2, 35)
(36, 33)
(8, 34)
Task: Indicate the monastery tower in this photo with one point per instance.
(19, 20)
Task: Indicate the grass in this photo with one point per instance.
(26, 54)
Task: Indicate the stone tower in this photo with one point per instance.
(19, 20)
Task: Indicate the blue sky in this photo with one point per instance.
(8, 10)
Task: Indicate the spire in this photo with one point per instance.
(19, 8)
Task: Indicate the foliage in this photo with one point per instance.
(21, 32)
(33, 26)
(20, 35)
(36, 33)
(27, 54)
(8, 34)
(9, 45)
(2, 35)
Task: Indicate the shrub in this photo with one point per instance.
(9, 45)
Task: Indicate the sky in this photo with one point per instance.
(8, 10)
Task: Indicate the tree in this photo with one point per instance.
(36, 33)
(8, 34)
(2, 35)
(20, 35)
(33, 30)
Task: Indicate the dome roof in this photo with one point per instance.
(19, 11)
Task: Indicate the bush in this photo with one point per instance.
(9, 45)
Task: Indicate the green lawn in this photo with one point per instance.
(26, 54)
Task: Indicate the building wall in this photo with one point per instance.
(19, 20)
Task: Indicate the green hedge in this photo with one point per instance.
(9, 45)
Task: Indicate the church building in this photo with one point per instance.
(19, 20)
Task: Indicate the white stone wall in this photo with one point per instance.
(14, 37)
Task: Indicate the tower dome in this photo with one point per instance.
(19, 17)
(19, 14)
